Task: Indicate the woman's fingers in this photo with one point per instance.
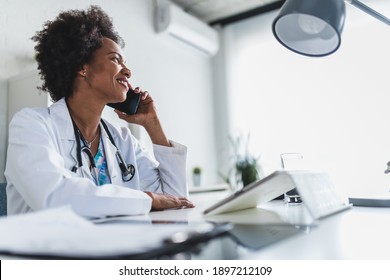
(185, 202)
(167, 201)
(144, 94)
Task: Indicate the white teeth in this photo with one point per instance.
(123, 82)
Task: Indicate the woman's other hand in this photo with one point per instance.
(167, 201)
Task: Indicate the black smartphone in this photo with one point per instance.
(130, 105)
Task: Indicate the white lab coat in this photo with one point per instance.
(42, 151)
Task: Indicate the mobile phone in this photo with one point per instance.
(130, 105)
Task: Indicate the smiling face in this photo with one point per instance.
(107, 75)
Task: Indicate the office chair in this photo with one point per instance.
(3, 199)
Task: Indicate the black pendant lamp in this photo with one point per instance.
(313, 27)
(310, 27)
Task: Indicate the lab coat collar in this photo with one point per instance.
(60, 114)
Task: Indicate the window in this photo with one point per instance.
(334, 110)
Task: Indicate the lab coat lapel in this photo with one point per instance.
(61, 117)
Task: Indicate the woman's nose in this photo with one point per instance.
(126, 71)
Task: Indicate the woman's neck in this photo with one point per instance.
(86, 116)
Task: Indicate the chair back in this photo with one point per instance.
(3, 199)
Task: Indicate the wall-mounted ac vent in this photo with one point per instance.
(172, 20)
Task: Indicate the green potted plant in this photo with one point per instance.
(196, 175)
(245, 167)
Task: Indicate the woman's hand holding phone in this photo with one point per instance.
(146, 116)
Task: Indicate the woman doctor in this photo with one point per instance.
(66, 154)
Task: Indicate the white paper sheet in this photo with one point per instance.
(60, 232)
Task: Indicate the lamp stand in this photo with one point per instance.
(368, 10)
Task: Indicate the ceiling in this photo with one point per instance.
(227, 11)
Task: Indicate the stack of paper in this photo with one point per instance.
(61, 233)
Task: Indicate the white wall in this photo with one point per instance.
(178, 77)
(334, 109)
(3, 126)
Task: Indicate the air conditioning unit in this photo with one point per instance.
(175, 22)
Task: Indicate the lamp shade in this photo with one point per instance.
(310, 27)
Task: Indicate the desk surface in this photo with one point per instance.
(358, 233)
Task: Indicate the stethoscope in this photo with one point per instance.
(128, 170)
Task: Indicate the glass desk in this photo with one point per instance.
(274, 231)
(358, 233)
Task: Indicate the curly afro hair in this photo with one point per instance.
(66, 44)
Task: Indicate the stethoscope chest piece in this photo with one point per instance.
(128, 174)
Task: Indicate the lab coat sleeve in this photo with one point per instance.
(37, 177)
(161, 172)
(172, 168)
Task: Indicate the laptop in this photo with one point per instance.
(315, 189)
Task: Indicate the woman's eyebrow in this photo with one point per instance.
(120, 56)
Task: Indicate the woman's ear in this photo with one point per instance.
(83, 72)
